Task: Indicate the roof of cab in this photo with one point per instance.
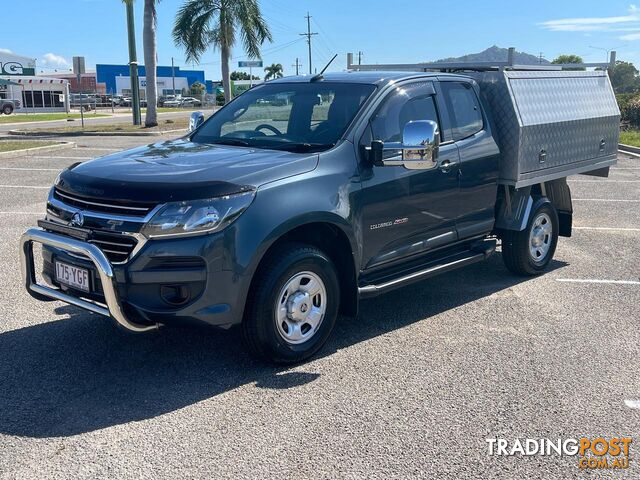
(374, 78)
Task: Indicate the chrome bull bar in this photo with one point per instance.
(107, 279)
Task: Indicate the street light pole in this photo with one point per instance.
(133, 65)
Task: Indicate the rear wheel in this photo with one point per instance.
(293, 305)
(529, 252)
(7, 109)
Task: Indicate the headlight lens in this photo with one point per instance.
(197, 216)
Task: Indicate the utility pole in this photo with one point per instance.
(540, 57)
(360, 58)
(309, 34)
(173, 78)
(297, 65)
(133, 66)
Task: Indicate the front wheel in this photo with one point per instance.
(293, 305)
(7, 110)
(529, 252)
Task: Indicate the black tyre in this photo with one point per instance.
(293, 305)
(529, 252)
(7, 109)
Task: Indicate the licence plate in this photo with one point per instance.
(71, 276)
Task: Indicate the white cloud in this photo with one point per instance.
(630, 37)
(5, 50)
(53, 60)
(583, 24)
(617, 24)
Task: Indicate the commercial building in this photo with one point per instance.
(170, 80)
(37, 94)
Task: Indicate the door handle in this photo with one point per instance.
(445, 166)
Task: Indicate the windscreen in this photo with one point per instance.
(287, 116)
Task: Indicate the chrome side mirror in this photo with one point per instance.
(421, 141)
(196, 119)
(418, 149)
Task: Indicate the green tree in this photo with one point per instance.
(563, 59)
(150, 61)
(201, 24)
(624, 77)
(237, 75)
(273, 71)
(197, 88)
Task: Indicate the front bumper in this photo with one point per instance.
(113, 307)
(132, 293)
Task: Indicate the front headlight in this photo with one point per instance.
(197, 216)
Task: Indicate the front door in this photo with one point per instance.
(406, 212)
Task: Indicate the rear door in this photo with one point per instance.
(479, 156)
(405, 212)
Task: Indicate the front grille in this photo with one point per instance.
(115, 246)
(105, 206)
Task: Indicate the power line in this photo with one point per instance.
(309, 34)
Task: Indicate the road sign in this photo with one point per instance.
(250, 64)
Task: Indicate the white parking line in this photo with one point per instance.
(31, 169)
(604, 200)
(633, 404)
(24, 186)
(587, 280)
(101, 149)
(609, 229)
(604, 181)
(21, 213)
(42, 157)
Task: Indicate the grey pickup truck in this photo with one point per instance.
(307, 194)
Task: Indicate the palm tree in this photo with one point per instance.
(273, 71)
(203, 23)
(150, 61)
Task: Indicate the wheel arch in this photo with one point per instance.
(327, 233)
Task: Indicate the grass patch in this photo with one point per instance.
(41, 117)
(163, 126)
(630, 137)
(11, 145)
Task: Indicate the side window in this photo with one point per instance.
(464, 109)
(413, 102)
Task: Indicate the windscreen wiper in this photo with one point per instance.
(303, 146)
(231, 141)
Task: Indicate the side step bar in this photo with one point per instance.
(477, 254)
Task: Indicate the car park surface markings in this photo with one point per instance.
(592, 280)
(609, 229)
(31, 169)
(40, 157)
(604, 181)
(633, 404)
(604, 200)
(25, 186)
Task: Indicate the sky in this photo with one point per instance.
(401, 31)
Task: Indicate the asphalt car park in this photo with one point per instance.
(411, 388)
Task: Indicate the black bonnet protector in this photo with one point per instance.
(144, 191)
(180, 170)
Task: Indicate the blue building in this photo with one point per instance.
(117, 79)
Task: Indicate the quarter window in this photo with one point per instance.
(464, 109)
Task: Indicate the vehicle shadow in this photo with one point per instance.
(81, 374)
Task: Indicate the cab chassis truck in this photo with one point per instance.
(306, 194)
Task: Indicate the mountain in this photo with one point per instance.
(497, 54)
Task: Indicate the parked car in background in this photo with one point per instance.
(190, 102)
(7, 106)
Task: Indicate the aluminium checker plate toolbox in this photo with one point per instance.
(551, 124)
